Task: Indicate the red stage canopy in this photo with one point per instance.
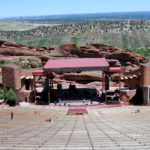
(76, 64)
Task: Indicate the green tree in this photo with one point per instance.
(11, 97)
(5, 92)
(1, 94)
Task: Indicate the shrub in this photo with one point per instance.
(5, 92)
(30, 60)
(34, 66)
(74, 40)
(27, 67)
(143, 51)
(11, 97)
(3, 62)
(1, 94)
(40, 65)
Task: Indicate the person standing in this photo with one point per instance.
(12, 115)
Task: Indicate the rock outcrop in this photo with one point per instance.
(111, 52)
(124, 56)
(115, 56)
(31, 56)
(13, 49)
(83, 76)
(69, 50)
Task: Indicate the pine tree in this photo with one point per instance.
(5, 92)
(1, 94)
(11, 97)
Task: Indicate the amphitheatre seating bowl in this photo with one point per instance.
(118, 128)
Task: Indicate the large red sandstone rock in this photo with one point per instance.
(68, 49)
(111, 52)
(83, 76)
(13, 49)
(124, 56)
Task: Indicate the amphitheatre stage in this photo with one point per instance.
(113, 128)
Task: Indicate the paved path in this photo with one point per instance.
(118, 128)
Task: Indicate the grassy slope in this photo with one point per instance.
(137, 40)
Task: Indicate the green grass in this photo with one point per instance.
(43, 42)
(143, 51)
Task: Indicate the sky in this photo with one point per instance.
(17, 8)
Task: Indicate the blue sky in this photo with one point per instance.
(15, 8)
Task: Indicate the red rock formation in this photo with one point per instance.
(124, 56)
(13, 49)
(111, 52)
(83, 76)
(68, 49)
(115, 56)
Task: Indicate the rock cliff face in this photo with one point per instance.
(124, 56)
(13, 49)
(115, 56)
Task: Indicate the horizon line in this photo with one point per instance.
(71, 14)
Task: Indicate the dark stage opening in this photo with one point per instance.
(73, 94)
(27, 84)
(67, 95)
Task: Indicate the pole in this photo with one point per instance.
(34, 86)
(105, 96)
(103, 81)
(49, 100)
(119, 84)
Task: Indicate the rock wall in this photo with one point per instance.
(12, 49)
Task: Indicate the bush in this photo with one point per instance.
(143, 51)
(40, 65)
(27, 67)
(1, 94)
(74, 40)
(5, 92)
(11, 97)
(3, 62)
(34, 66)
(30, 60)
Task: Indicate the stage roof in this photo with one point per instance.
(76, 65)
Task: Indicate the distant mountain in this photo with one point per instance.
(78, 18)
